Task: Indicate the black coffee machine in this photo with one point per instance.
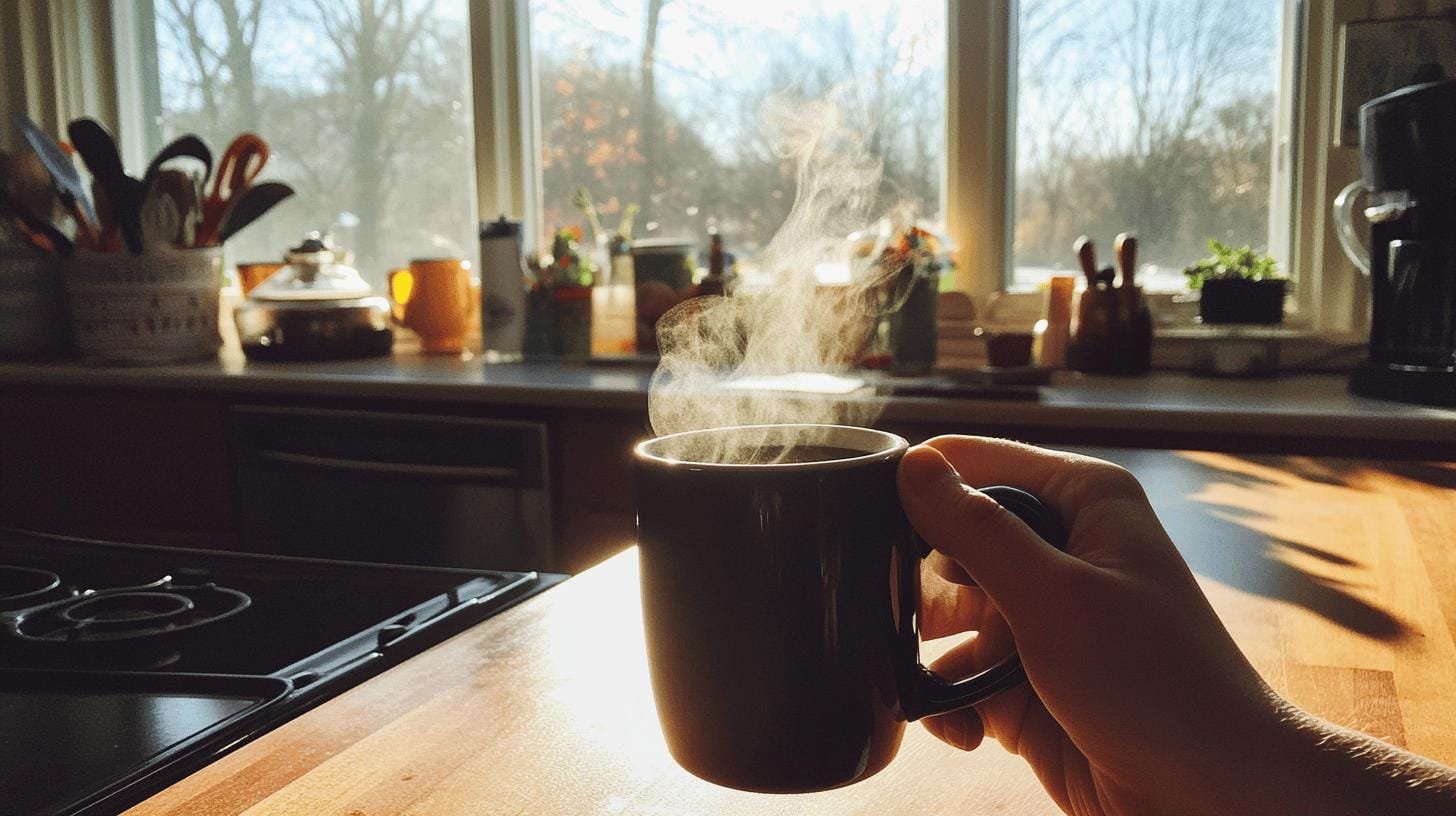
(1408, 168)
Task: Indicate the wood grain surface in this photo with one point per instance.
(1337, 577)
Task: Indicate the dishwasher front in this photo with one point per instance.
(386, 487)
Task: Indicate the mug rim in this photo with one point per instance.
(894, 446)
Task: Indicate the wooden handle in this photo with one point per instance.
(1125, 248)
(1087, 257)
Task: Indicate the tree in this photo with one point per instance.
(223, 65)
(1150, 116)
(372, 39)
(366, 113)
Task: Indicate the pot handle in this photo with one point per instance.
(929, 693)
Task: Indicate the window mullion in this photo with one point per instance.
(979, 54)
(507, 176)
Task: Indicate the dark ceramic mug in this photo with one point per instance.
(780, 597)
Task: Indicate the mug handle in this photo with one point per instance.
(931, 694)
(401, 283)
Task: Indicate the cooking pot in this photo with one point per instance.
(315, 308)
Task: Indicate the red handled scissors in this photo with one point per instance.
(240, 164)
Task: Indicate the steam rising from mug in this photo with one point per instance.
(794, 326)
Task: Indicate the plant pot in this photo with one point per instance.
(1236, 300)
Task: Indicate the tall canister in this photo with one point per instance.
(503, 281)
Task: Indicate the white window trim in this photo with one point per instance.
(978, 141)
(507, 113)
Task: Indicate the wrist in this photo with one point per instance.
(1334, 770)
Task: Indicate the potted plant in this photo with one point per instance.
(1238, 286)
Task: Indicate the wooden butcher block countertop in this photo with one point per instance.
(1336, 576)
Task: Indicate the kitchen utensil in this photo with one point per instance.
(69, 187)
(160, 221)
(1087, 257)
(240, 164)
(124, 193)
(250, 205)
(437, 300)
(314, 309)
(35, 225)
(188, 146)
(183, 191)
(1124, 249)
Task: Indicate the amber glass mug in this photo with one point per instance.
(780, 596)
(437, 300)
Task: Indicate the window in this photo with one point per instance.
(1173, 119)
(1150, 116)
(365, 105)
(660, 103)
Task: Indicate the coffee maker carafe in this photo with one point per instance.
(1408, 169)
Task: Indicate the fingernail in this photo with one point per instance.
(958, 734)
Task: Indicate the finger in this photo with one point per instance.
(947, 568)
(949, 609)
(1066, 481)
(960, 729)
(1007, 560)
(965, 729)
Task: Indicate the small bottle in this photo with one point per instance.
(614, 302)
(1054, 330)
(716, 281)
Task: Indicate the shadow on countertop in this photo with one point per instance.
(1224, 543)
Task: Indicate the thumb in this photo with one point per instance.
(1012, 564)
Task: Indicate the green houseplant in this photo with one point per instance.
(1238, 285)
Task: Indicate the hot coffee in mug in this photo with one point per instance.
(780, 593)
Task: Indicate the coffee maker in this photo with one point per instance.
(1408, 170)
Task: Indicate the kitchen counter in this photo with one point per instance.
(1295, 413)
(1335, 576)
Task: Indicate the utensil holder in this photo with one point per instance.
(32, 306)
(150, 309)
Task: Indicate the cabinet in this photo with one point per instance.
(116, 465)
(165, 468)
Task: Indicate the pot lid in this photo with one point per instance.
(312, 274)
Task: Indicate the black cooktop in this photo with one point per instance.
(125, 667)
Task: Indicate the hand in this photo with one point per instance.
(1138, 699)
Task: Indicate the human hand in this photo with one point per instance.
(1138, 699)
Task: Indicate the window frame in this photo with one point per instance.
(1329, 297)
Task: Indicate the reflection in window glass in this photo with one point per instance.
(657, 103)
(1150, 116)
(365, 104)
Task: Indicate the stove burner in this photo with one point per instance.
(125, 614)
(25, 586)
(123, 610)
